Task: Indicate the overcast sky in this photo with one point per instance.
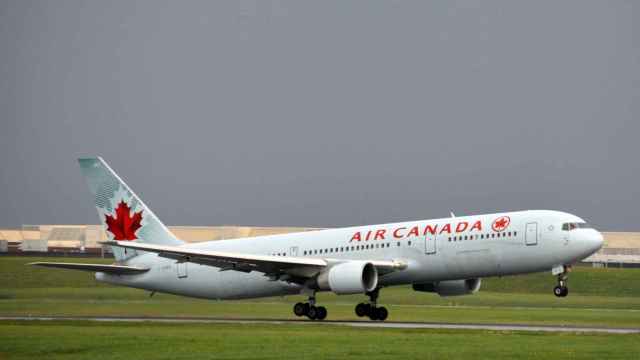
(323, 113)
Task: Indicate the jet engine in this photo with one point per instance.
(450, 287)
(352, 277)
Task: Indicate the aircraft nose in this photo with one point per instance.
(593, 241)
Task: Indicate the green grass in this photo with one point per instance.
(92, 340)
(599, 297)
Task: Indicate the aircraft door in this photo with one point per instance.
(531, 234)
(293, 251)
(181, 270)
(430, 245)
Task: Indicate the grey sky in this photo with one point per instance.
(324, 113)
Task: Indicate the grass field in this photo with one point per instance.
(599, 297)
(83, 340)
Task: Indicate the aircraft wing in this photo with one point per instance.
(111, 269)
(299, 267)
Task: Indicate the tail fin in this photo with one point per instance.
(122, 214)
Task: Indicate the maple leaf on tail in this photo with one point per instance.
(123, 226)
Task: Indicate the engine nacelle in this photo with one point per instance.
(351, 277)
(450, 287)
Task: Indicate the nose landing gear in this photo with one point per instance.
(310, 309)
(561, 290)
(370, 309)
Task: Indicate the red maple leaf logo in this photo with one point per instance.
(501, 223)
(123, 226)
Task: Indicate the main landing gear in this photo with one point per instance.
(310, 309)
(561, 290)
(370, 309)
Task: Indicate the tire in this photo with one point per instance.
(312, 313)
(565, 292)
(321, 313)
(382, 313)
(558, 291)
(362, 309)
(373, 313)
(299, 309)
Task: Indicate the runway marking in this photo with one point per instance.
(367, 324)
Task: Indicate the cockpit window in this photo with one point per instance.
(575, 225)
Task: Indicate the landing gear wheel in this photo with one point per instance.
(362, 309)
(370, 309)
(382, 313)
(378, 313)
(557, 291)
(312, 313)
(300, 309)
(321, 313)
(373, 313)
(561, 291)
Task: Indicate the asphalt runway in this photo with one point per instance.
(364, 324)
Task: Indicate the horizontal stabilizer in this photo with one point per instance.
(111, 269)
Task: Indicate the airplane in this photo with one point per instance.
(447, 256)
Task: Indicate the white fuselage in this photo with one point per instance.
(434, 250)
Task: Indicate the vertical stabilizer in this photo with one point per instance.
(122, 214)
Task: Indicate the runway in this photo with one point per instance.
(363, 324)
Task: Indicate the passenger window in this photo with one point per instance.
(409, 243)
